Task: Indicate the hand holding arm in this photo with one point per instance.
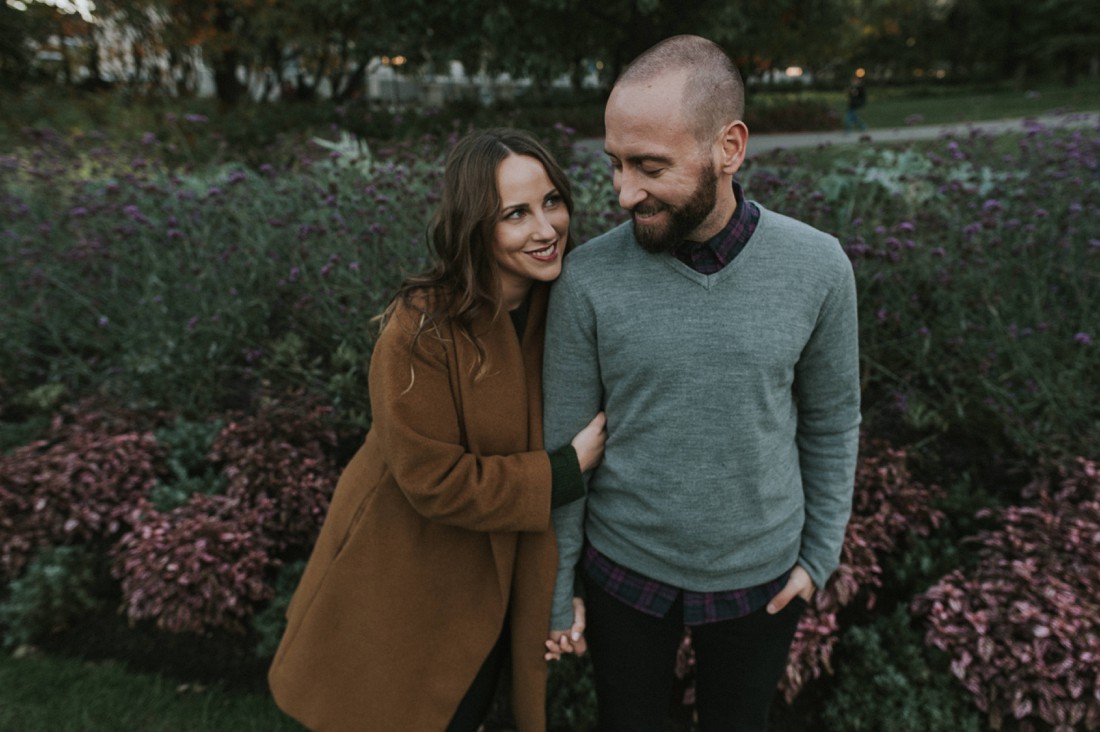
(589, 442)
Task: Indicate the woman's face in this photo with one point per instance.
(531, 227)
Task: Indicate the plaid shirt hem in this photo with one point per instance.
(656, 598)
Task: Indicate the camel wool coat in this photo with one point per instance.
(439, 526)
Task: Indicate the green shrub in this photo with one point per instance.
(885, 680)
(187, 462)
(57, 588)
(571, 695)
(270, 623)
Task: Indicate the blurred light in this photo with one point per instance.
(385, 60)
(918, 72)
(793, 71)
(910, 42)
(599, 65)
(399, 60)
(940, 73)
(860, 73)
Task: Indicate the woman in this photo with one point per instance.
(436, 560)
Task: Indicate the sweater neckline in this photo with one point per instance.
(708, 281)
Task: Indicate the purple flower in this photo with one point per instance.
(192, 322)
(103, 321)
(237, 176)
(81, 211)
(906, 226)
(196, 118)
(353, 266)
(295, 273)
(149, 139)
(1083, 338)
(992, 205)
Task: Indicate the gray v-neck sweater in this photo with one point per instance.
(732, 402)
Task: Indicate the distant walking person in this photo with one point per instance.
(857, 97)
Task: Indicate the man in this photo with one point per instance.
(720, 338)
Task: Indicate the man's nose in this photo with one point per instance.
(629, 188)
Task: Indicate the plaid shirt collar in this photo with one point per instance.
(715, 253)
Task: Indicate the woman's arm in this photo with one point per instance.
(419, 424)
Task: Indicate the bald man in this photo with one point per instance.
(720, 337)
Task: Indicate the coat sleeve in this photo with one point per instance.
(419, 424)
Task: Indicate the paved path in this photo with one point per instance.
(764, 143)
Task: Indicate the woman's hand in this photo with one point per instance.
(589, 442)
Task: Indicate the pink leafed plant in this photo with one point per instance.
(1022, 627)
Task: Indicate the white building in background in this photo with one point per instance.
(123, 58)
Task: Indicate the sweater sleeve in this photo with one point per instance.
(572, 395)
(419, 425)
(827, 392)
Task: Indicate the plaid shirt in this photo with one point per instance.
(715, 253)
(648, 595)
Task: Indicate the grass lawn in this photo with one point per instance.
(47, 694)
(892, 107)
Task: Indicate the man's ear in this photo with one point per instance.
(732, 143)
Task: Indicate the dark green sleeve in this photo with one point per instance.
(567, 485)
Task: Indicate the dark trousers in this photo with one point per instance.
(475, 706)
(737, 664)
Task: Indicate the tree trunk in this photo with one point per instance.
(228, 87)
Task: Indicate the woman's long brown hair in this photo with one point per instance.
(463, 280)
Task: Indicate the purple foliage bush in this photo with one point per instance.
(279, 462)
(78, 484)
(888, 505)
(198, 567)
(208, 564)
(1022, 628)
(205, 565)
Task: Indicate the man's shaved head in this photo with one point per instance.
(713, 93)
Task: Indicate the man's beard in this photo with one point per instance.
(682, 220)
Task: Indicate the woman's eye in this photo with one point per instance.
(552, 201)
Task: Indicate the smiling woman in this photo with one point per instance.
(436, 560)
(533, 230)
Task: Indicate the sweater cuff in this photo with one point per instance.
(566, 481)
